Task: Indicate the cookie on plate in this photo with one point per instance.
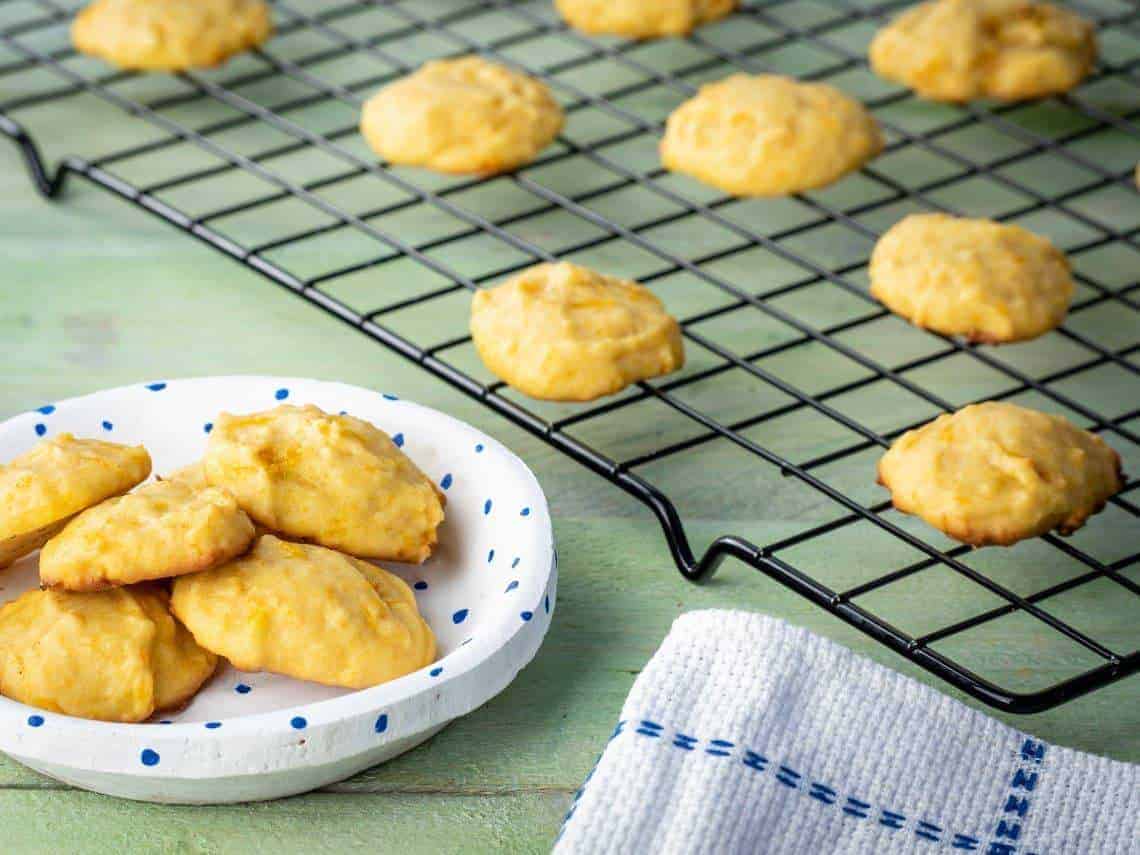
(980, 279)
(996, 473)
(115, 655)
(1011, 50)
(642, 19)
(465, 115)
(336, 481)
(768, 135)
(567, 333)
(163, 529)
(309, 613)
(170, 35)
(43, 488)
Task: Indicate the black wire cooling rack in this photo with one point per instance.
(281, 123)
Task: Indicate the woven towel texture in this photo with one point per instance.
(746, 734)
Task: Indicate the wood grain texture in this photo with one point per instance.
(93, 294)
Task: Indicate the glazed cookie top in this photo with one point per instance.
(767, 135)
(956, 50)
(980, 279)
(997, 473)
(272, 610)
(163, 529)
(170, 35)
(642, 19)
(62, 476)
(567, 333)
(464, 115)
(333, 480)
(114, 655)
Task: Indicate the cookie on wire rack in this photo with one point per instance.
(768, 135)
(986, 281)
(996, 473)
(1011, 50)
(170, 35)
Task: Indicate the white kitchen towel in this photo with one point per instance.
(746, 734)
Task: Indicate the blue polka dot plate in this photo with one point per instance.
(488, 593)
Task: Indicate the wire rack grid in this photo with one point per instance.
(795, 373)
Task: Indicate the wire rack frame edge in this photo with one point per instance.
(767, 558)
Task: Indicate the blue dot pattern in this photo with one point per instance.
(382, 723)
(388, 397)
(478, 448)
(525, 512)
(108, 425)
(487, 507)
(435, 672)
(526, 615)
(421, 585)
(446, 482)
(514, 584)
(149, 757)
(213, 725)
(459, 616)
(281, 394)
(156, 387)
(242, 689)
(515, 563)
(35, 721)
(398, 440)
(47, 409)
(490, 556)
(207, 427)
(41, 429)
(298, 722)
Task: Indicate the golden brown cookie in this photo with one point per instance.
(957, 50)
(983, 280)
(309, 613)
(567, 333)
(464, 115)
(996, 473)
(170, 35)
(767, 135)
(642, 19)
(333, 480)
(193, 475)
(163, 529)
(43, 488)
(114, 655)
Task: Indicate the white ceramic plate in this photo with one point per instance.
(487, 592)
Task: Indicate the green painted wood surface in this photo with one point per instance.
(94, 294)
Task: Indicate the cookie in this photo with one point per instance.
(642, 19)
(336, 481)
(463, 115)
(306, 612)
(163, 529)
(1011, 50)
(192, 475)
(43, 488)
(996, 473)
(170, 35)
(979, 279)
(567, 333)
(767, 135)
(116, 655)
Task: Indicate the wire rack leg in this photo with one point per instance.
(49, 183)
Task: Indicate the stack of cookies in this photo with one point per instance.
(255, 554)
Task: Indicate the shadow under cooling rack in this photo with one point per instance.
(796, 380)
